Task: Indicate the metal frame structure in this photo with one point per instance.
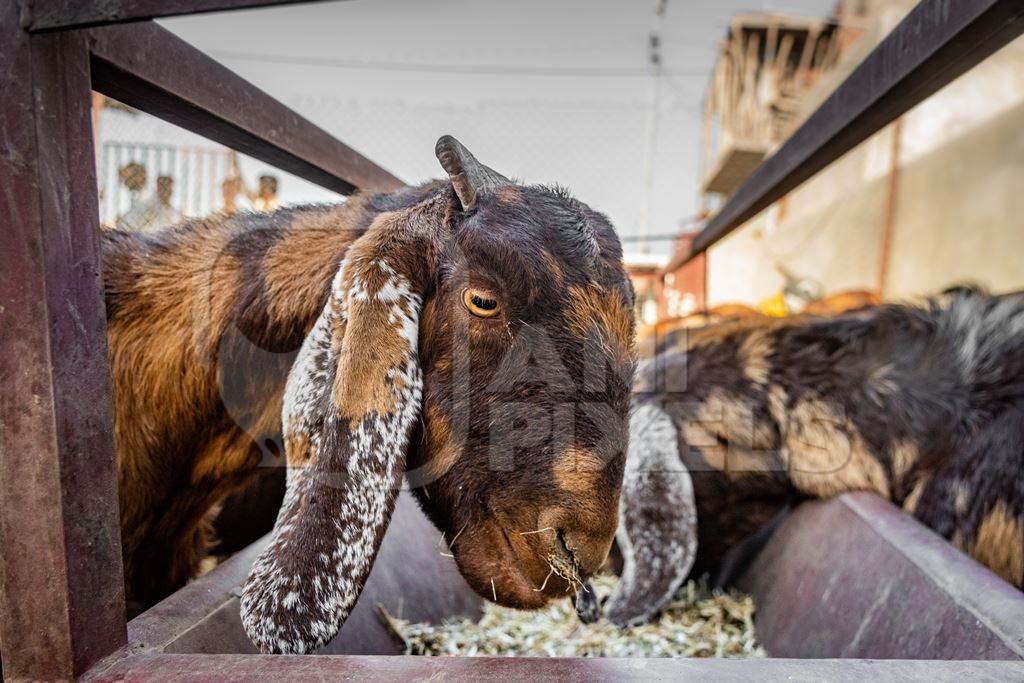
(61, 587)
(932, 46)
(61, 593)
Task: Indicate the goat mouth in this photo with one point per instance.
(496, 571)
(522, 570)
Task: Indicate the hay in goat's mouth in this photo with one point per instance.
(697, 623)
(566, 570)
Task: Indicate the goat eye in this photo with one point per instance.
(480, 303)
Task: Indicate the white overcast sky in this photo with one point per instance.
(543, 90)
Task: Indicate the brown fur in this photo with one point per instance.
(366, 391)
(999, 544)
(755, 355)
(826, 456)
(204, 321)
(669, 333)
(912, 500)
(903, 455)
(843, 302)
(578, 470)
(898, 400)
(590, 309)
(442, 445)
(173, 326)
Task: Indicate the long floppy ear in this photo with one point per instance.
(657, 531)
(352, 397)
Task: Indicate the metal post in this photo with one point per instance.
(891, 199)
(61, 585)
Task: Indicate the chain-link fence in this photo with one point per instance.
(604, 156)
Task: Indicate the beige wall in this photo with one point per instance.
(959, 213)
(830, 232)
(960, 209)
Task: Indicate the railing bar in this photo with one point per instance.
(51, 15)
(151, 69)
(62, 593)
(937, 42)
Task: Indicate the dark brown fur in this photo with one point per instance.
(923, 405)
(206, 317)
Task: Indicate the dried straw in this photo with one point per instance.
(697, 623)
(567, 570)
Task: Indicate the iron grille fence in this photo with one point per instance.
(196, 174)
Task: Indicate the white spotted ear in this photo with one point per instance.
(352, 397)
(657, 531)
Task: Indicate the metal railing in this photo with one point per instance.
(937, 42)
(62, 605)
(197, 171)
(62, 611)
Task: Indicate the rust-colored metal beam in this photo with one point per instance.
(51, 15)
(857, 577)
(892, 190)
(937, 42)
(567, 670)
(149, 68)
(61, 586)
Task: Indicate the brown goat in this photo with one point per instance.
(843, 302)
(670, 333)
(496, 305)
(922, 405)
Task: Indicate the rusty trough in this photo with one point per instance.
(853, 577)
(849, 588)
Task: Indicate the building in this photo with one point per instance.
(929, 201)
(645, 271)
(766, 66)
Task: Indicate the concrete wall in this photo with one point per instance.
(959, 210)
(828, 230)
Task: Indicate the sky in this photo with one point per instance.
(544, 91)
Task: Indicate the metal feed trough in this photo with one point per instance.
(849, 588)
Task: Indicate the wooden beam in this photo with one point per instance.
(149, 68)
(937, 42)
(50, 15)
(299, 668)
(61, 586)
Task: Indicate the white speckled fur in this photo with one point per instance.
(303, 586)
(657, 531)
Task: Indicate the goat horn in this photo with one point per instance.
(469, 177)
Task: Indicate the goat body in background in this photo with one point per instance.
(433, 322)
(922, 405)
(669, 334)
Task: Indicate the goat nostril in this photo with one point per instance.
(560, 535)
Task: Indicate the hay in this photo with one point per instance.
(697, 623)
(566, 570)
